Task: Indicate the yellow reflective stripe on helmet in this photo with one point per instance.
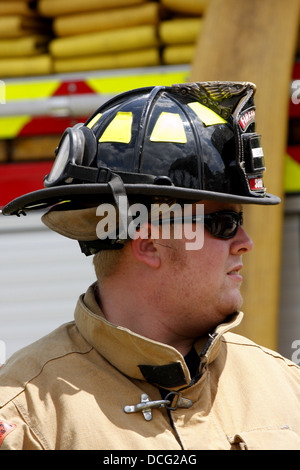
(94, 120)
(207, 116)
(119, 129)
(169, 128)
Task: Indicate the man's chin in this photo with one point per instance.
(235, 306)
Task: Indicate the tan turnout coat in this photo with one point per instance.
(69, 391)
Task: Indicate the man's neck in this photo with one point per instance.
(123, 309)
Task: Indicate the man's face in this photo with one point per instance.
(206, 282)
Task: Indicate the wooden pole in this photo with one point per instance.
(256, 41)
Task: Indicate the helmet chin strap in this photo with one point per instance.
(117, 187)
(120, 196)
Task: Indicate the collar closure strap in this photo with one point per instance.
(166, 376)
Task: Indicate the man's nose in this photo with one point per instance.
(241, 243)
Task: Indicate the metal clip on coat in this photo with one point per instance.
(146, 405)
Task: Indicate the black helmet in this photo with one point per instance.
(190, 141)
(187, 142)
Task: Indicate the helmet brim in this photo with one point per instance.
(91, 194)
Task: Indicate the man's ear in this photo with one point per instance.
(145, 249)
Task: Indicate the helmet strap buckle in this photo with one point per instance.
(103, 175)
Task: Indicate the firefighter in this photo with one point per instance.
(153, 187)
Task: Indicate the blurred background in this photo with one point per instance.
(61, 59)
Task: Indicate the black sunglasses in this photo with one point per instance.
(222, 224)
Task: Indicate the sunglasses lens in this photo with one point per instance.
(224, 224)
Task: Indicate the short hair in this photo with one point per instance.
(105, 263)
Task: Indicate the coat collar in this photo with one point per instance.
(137, 356)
